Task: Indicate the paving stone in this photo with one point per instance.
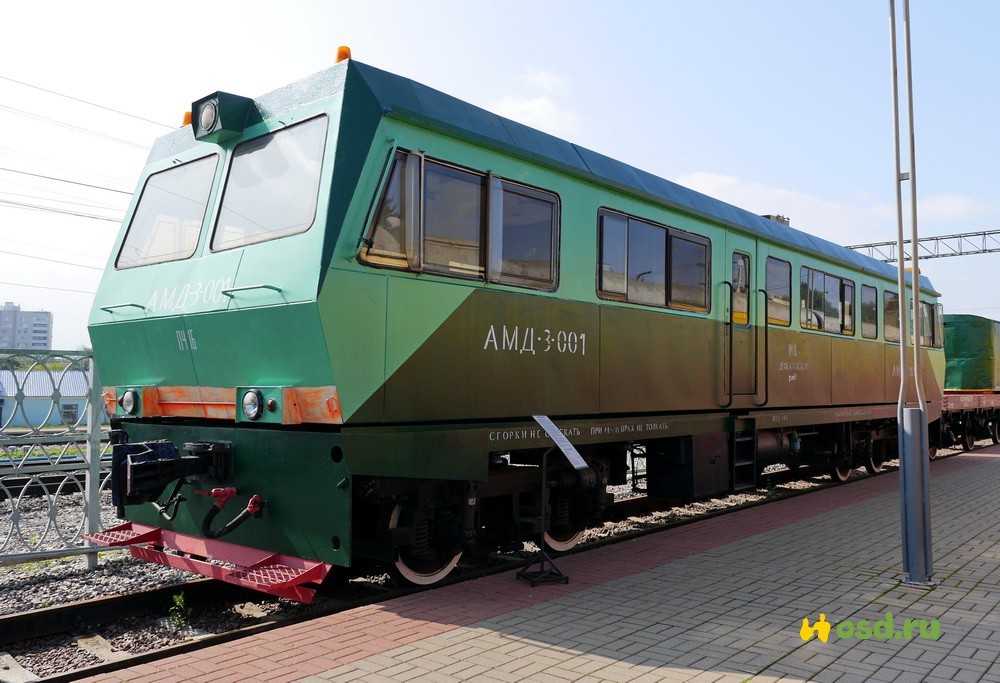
(717, 600)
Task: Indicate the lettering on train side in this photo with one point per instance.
(527, 434)
(528, 339)
(181, 297)
(186, 340)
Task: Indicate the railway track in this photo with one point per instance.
(81, 624)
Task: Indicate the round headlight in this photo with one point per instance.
(253, 404)
(208, 116)
(130, 402)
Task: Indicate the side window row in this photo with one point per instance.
(645, 263)
(826, 303)
(438, 218)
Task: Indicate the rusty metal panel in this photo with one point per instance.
(653, 361)
(799, 369)
(855, 372)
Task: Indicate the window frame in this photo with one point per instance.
(741, 315)
(864, 322)
(232, 157)
(670, 234)
(886, 295)
(138, 205)
(767, 280)
(482, 247)
(498, 188)
(806, 308)
(413, 228)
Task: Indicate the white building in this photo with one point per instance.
(25, 329)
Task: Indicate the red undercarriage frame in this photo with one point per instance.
(282, 575)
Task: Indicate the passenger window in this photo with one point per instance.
(831, 303)
(779, 292)
(614, 246)
(647, 263)
(526, 234)
(927, 324)
(827, 302)
(394, 236)
(741, 289)
(939, 326)
(454, 219)
(651, 264)
(168, 218)
(689, 260)
(869, 312)
(847, 297)
(891, 316)
(273, 186)
(474, 225)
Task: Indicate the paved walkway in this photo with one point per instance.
(719, 600)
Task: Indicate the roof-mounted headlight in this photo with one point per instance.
(220, 116)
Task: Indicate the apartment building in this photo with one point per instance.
(25, 329)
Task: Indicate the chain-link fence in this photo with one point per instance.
(54, 454)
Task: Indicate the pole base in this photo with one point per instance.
(542, 574)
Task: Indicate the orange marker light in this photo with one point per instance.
(343, 52)
(187, 119)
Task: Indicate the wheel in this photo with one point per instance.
(995, 431)
(560, 540)
(841, 472)
(932, 453)
(419, 562)
(968, 437)
(567, 525)
(875, 464)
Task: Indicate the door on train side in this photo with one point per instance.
(741, 315)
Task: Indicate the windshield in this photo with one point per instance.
(272, 187)
(168, 218)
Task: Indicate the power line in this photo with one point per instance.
(54, 289)
(92, 104)
(63, 180)
(88, 205)
(49, 209)
(62, 165)
(50, 260)
(71, 126)
(65, 251)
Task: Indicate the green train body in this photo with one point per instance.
(398, 281)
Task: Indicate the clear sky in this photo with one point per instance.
(777, 106)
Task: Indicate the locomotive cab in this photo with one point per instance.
(206, 319)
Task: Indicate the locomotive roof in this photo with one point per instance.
(403, 98)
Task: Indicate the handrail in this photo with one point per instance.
(112, 307)
(767, 356)
(231, 292)
(729, 332)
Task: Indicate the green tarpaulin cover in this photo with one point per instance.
(972, 349)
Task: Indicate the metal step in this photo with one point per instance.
(273, 573)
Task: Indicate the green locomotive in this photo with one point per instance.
(340, 305)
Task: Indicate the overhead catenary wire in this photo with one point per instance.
(63, 180)
(87, 102)
(54, 289)
(50, 260)
(89, 205)
(70, 126)
(62, 164)
(102, 257)
(80, 214)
